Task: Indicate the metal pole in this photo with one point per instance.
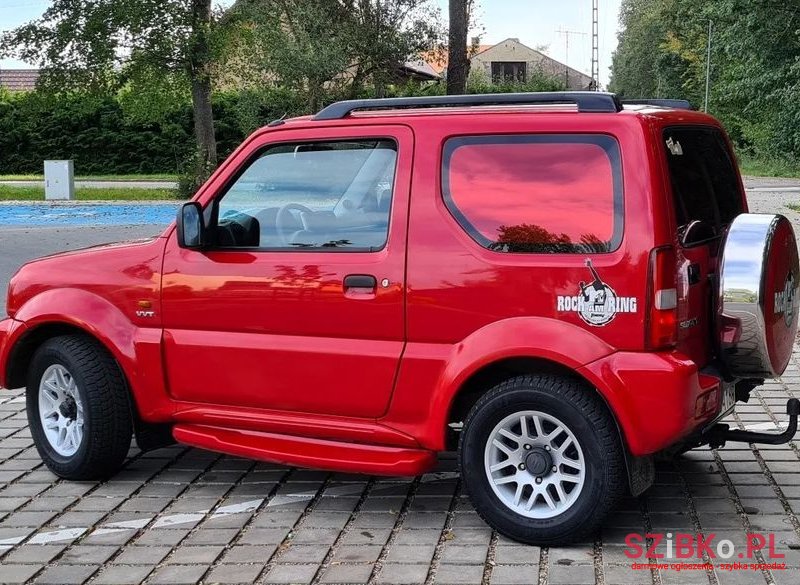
(595, 47)
(566, 61)
(708, 68)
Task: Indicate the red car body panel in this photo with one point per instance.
(276, 329)
(248, 351)
(651, 420)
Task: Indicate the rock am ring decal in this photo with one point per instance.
(596, 302)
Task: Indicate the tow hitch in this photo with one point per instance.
(719, 434)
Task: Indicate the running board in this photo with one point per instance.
(719, 434)
(306, 452)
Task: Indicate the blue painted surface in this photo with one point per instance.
(79, 215)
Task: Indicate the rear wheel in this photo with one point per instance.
(541, 459)
(78, 408)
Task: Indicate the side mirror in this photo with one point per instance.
(191, 230)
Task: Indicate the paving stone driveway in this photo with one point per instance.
(180, 515)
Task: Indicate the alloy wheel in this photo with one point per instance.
(534, 464)
(61, 410)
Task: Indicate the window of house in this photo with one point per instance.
(536, 193)
(321, 195)
(509, 71)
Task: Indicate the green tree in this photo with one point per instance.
(642, 30)
(316, 45)
(755, 64)
(100, 46)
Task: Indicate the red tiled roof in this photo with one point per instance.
(437, 59)
(19, 79)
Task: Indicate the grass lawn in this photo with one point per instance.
(767, 168)
(12, 193)
(154, 177)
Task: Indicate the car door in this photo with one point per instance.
(297, 304)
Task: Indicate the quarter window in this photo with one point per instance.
(320, 195)
(705, 183)
(536, 193)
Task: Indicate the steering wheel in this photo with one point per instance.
(287, 222)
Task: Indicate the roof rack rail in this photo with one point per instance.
(666, 103)
(586, 101)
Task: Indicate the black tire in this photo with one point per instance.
(108, 425)
(586, 417)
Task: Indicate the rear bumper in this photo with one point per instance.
(657, 398)
(8, 330)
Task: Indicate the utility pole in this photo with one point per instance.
(708, 68)
(566, 33)
(595, 47)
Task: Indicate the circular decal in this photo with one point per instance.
(596, 302)
(599, 303)
(599, 300)
(785, 301)
(778, 301)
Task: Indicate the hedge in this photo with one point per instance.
(96, 133)
(102, 138)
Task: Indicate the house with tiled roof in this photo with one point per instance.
(19, 79)
(510, 60)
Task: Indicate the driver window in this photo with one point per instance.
(318, 195)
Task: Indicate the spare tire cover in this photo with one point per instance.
(758, 303)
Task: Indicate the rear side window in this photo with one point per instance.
(705, 184)
(536, 193)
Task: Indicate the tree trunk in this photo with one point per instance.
(355, 85)
(204, 122)
(457, 61)
(200, 75)
(314, 95)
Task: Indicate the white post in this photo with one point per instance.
(59, 180)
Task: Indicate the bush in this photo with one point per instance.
(98, 133)
(92, 131)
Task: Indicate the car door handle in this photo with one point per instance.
(360, 281)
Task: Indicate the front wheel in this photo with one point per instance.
(541, 459)
(78, 408)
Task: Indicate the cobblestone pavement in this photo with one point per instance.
(181, 515)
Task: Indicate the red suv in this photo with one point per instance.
(557, 285)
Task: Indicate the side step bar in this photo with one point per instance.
(306, 452)
(719, 434)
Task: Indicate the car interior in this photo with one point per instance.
(322, 195)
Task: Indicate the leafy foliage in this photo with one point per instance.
(104, 46)
(96, 132)
(314, 46)
(755, 64)
(101, 136)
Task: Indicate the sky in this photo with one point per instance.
(534, 22)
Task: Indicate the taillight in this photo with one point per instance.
(662, 300)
